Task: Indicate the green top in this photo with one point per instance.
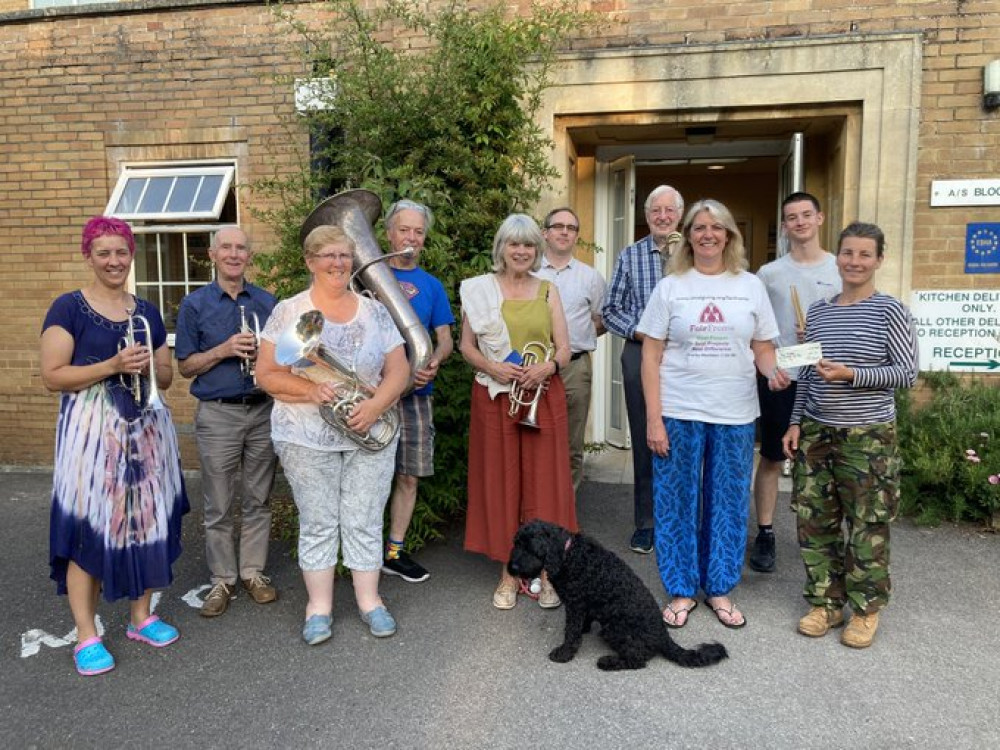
(529, 320)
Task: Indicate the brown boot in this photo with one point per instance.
(860, 631)
(818, 622)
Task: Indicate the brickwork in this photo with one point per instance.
(82, 91)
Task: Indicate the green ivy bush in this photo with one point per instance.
(447, 121)
(951, 460)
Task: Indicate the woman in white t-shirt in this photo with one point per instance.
(339, 489)
(707, 326)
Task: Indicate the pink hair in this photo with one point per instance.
(99, 226)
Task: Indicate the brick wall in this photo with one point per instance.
(80, 90)
(76, 93)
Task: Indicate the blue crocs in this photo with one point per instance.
(317, 629)
(92, 658)
(379, 622)
(153, 631)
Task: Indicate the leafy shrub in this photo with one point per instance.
(941, 479)
(445, 117)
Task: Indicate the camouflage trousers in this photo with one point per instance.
(846, 477)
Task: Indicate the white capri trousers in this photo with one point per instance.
(341, 497)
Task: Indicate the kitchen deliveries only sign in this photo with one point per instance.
(958, 329)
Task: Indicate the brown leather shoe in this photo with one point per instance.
(818, 622)
(260, 589)
(860, 631)
(217, 601)
(505, 597)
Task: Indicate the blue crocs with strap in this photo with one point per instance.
(153, 631)
(91, 657)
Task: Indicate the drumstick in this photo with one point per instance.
(800, 318)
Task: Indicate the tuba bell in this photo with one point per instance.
(356, 211)
(300, 346)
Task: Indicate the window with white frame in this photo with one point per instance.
(173, 211)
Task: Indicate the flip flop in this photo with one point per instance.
(676, 613)
(731, 611)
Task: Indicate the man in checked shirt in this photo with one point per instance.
(637, 271)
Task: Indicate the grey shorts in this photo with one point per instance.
(341, 497)
(415, 455)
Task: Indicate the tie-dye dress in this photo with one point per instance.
(118, 494)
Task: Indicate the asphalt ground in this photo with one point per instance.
(460, 674)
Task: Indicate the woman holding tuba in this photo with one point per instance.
(340, 489)
(118, 494)
(514, 334)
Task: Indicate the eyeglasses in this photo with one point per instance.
(561, 227)
(662, 211)
(340, 257)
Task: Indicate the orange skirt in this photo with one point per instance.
(516, 473)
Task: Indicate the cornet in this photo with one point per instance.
(248, 365)
(532, 353)
(144, 398)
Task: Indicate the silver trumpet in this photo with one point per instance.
(300, 346)
(248, 365)
(532, 353)
(144, 397)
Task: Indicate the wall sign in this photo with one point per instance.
(958, 329)
(982, 248)
(965, 193)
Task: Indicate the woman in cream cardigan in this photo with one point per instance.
(516, 473)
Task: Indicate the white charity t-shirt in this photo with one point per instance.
(707, 372)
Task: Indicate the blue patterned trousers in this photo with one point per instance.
(701, 498)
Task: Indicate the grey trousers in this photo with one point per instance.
(642, 459)
(576, 377)
(234, 444)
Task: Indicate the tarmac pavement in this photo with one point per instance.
(461, 674)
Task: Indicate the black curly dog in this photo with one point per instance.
(596, 585)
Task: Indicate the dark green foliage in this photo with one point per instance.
(436, 105)
(939, 481)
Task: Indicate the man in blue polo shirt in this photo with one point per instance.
(406, 226)
(232, 420)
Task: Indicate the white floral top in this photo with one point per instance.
(362, 343)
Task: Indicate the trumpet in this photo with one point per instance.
(145, 398)
(248, 365)
(532, 353)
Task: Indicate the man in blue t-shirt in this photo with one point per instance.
(406, 225)
(232, 421)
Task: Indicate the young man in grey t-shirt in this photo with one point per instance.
(812, 273)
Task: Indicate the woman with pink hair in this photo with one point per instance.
(118, 495)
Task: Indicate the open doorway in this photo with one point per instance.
(747, 165)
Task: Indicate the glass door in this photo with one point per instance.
(621, 233)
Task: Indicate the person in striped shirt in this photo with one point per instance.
(637, 271)
(842, 438)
